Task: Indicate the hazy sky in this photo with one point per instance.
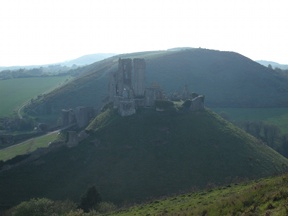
(49, 31)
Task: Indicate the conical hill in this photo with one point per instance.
(148, 154)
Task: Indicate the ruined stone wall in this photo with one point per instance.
(139, 66)
(127, 86)
(127, 107)
(72, 139)
(80, 115)
(83, 116)
(112, 87)
(68, 117)
(152, 94)
(124, 76)
(197, 103)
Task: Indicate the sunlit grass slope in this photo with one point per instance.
(15, 92)
(27, 146)
(262, 197)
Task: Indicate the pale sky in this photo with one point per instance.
(49, 31)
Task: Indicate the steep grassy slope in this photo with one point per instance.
(227, 79)
(262, 197)
(142, 156)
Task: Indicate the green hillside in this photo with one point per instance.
(15, 92)
(262, 197)
(146, 155)
(227, 79)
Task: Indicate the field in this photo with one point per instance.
(15, 92)
(276, 116)
(27, 146)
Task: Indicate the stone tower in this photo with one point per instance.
(124, 77)
(127, 86)
(139, 66)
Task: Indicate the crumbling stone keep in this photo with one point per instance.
(127, 86)
(79, 116)
(72, 139)
(139, 66)
(197, 103)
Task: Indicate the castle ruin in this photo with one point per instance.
(128, 92)
(127, 88)
(80, 116)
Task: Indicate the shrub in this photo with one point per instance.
(42, 207)
(104, 207)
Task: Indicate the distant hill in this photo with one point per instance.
(145, 155)
(87, 59)
(227, 79)
(273, 64)
(83, 60)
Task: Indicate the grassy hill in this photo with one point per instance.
(147, 155)
(87, 59)
(227, 79)
(15, 92)
(262, 197)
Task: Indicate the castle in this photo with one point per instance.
(127, 88)
(128, 92)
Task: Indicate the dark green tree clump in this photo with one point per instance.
(90, 199)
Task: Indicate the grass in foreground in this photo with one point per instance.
(27, 146)
(15, 92)
(263, 197)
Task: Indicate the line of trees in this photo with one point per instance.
(283, 72)
(267, 133)
(52, 70)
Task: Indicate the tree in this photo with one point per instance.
(90, 199)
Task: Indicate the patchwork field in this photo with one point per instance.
(15, 92)
(276, 116)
